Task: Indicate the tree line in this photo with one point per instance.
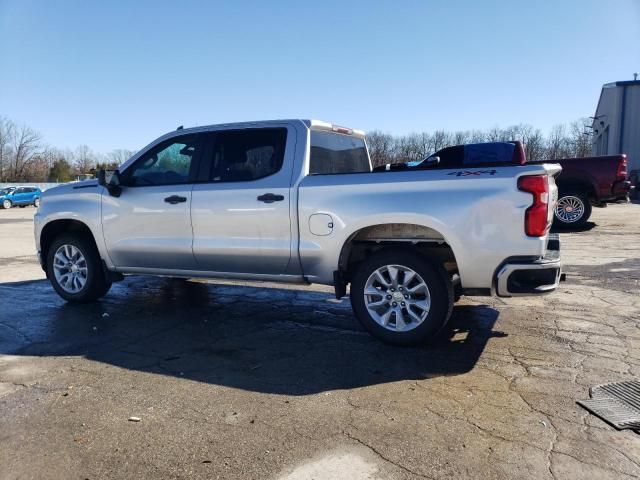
(562, 141)
(25, 157)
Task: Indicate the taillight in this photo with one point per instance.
(622, 168)
(536, 218)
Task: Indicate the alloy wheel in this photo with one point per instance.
(70, 268)
(570, 209)
(397, 298)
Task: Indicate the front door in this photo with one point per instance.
(149, 225)
(241, 210)
(20, 196)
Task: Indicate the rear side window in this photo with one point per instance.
(248, 154)
(333, 153)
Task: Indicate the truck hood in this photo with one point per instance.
(69, 187)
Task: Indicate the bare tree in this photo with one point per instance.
(26, 144)
(557, 143)
(84, 159)
(493, 135)
(579, 139)
(409, 148)
(534, 146)
(461, 137)
(118, 156)
(477, 136)
(7, 131)
(441, 139)
(381, 148)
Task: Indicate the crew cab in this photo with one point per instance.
(586, 182)
(298, 201)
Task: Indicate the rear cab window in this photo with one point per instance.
(335, 153)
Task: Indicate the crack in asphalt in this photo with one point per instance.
(384, 457)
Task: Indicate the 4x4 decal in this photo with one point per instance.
(467, 173)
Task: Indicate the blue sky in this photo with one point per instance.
(117, 74)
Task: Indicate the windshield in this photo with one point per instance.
(5, 191)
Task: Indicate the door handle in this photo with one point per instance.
(173, 199)
(270, 198)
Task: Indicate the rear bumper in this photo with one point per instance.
(517, 277)
(619, 190)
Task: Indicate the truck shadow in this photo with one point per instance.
(291, 341)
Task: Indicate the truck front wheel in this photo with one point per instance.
(75, 270)
(572, 210)
(401, 298)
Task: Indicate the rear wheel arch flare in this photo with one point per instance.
(425, 240)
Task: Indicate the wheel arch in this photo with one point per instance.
(57, 227)
(426, 241)
(577, 184)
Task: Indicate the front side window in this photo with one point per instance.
(166, 164)
(333, 153)
(246, 155)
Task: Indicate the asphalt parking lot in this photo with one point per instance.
(234, 380)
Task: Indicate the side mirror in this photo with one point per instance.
(432, 160)
(110, 179)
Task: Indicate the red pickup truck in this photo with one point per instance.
(586, 182)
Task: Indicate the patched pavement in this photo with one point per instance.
(236, 380)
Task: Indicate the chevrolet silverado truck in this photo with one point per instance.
(588, 182)
(298, 201)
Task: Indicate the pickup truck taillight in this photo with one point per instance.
(536, 219)
(622, 168)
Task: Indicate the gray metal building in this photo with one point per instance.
(616, 126)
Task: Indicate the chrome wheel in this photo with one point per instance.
(397, 298)
(6, 204)
(36, 202)
(570, 209)
(70, 268)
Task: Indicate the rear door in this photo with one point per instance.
(149, 225)
(20, 196)
(241, 210)
(30, 195)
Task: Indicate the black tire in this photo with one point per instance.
(561, 218)
(22, 206)
(96, 286)
(434, 276)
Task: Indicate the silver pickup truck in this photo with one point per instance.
(298, 201)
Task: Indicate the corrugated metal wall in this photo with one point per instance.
(609, 112)
(631, 137)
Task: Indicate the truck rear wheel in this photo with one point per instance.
(75, 270)
(572, 210)
(401, 298)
